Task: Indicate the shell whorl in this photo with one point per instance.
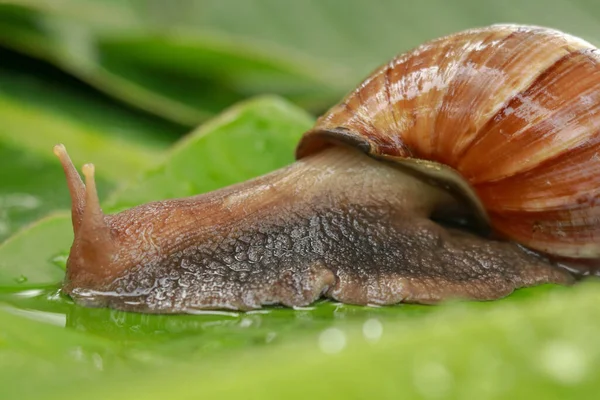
(514, 109)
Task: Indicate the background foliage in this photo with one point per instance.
(161, 96)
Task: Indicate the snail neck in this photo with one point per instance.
(336, 176)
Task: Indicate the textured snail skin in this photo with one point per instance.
(329, 225)
(513, 109)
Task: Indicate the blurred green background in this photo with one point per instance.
(172, 98)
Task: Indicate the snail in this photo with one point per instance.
(465, 168)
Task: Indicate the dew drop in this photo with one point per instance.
(433, 380)
(77, 353)
(21, 279)
(29, 293)
(564, 362)
(372, 330)
(332, 341)
(60, 260)
(245, 323)
(98, 362)
(270, 337)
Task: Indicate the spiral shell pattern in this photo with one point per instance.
(514, 109)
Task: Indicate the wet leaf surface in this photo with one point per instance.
(186, 62)
(36, 114)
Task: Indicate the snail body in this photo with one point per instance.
(391, 197)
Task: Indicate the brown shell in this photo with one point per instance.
(514, 109)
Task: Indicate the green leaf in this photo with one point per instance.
(543, 348)
(37, 114)
(186, 59)
(538, 346)
(186, 78)
(37, 355)
(33, 257)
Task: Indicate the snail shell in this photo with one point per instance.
(514, 110)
